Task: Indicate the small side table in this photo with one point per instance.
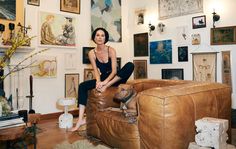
(66, 119)
(18, 132)
(10, 134)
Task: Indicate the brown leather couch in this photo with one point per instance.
(167, 111)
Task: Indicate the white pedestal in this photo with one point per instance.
(66, 119)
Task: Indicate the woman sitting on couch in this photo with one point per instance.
(103, 60)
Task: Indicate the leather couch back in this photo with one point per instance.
(144, 84)
(167, 115)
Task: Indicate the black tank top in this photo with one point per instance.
(105, 68)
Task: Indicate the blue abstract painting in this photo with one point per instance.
(161, 52)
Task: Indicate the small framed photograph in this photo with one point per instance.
(139, 16)
(89, 74)
(71, 85)
(199, 22)
(141, 44)
(183, 54)
(223, 35)
(140, 69)
(196, 39)
(118, 61)
(85, 54)
(172, 74)
(33, 2)
(72, 6)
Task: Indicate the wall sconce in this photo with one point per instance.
(215, 18)
(151, 28)
(161, 26)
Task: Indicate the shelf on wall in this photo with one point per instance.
(23, 49)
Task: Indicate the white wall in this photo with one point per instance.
(226, 10)
(48, 91)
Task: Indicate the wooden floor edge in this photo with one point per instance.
(57, 114)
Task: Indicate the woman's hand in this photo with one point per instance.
(100, 85)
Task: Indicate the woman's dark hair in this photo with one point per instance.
(104, 30)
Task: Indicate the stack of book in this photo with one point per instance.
(11, 120)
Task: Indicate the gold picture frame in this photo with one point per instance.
(89, 74)
(140, 69)
(71, 85)
(223, 35)
(72, 6)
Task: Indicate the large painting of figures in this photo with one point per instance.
(56, 30)
(161, 52)
(174, 8)
(8, 9)
(107, 14)
(44, 67)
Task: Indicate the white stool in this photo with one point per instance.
(66, 119)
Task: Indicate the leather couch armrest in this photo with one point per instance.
(104, 99)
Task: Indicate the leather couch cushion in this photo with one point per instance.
(117, 131)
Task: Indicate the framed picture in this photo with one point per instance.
(226, 68)
(89, 74)
(196, 39)
(72, 6)
(85, 54)
(223, 35)
(33, 2)
(12, 11)
(139, 16)
(56, 30)
(204, 67)
(107, 14)
(71, 85)
(183, 54)
(70, 61)
(141, 44)
(118, 61)
(199, 22)
(177, 8)
(161, 52)
(44, 66)
(172, 74)
(140, 69)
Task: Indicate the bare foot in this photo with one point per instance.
(77, 126)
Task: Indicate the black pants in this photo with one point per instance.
(124, 73)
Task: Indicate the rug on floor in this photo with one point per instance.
(80, 144)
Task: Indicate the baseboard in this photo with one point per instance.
(57, 114)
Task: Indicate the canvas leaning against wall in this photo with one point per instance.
(107, 14)
(56, 30)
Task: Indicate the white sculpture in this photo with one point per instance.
(211, 132)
